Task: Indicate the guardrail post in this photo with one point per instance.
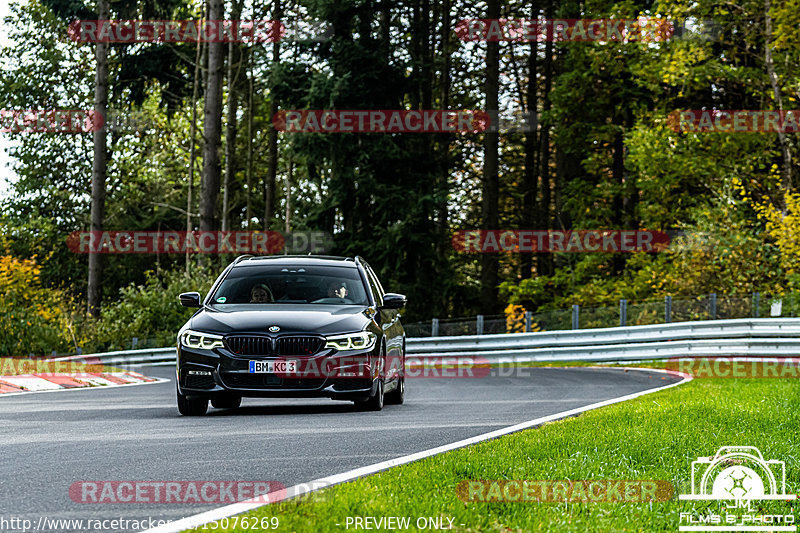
(528, 321)
(756, 303)
(667, 309)
(623, 312)
(434, 327)
(80, 350)
(576, 309)
(712, 303)
(479, 325)
(134, 342)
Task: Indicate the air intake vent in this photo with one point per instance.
(198, 380)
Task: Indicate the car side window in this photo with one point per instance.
(377, 282)
(374, 286)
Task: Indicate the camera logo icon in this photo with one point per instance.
(738, 473)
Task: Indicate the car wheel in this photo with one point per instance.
(192, 406)
(226, 401)
(374, 402)
(398, 395)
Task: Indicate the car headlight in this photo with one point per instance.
(352, 341)
(200, 341)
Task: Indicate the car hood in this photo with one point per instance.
(290, 318)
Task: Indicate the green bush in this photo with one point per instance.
(34, 319)
(150, 312)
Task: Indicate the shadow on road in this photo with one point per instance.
(283, 410)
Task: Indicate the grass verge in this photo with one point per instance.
(655, 437)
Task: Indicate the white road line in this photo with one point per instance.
(311, 486)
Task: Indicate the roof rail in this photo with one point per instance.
(302, 256)
(241, 258)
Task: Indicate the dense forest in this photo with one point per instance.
(192, 141)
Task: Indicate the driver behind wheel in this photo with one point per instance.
(338, 289)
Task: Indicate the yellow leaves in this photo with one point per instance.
(515, 319)
(31, 316)
(14, 272)
(784, 229)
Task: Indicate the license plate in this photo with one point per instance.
(271, 367)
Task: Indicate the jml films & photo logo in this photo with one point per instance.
(739, 478)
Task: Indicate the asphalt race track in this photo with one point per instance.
(50, 441)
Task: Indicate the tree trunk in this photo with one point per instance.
(625, 199)
(776, 92)
(288, 216)
(491, 180)
(212, 129)
(272, 133)
(444, 142)
(99, 165)
(544, 261)
(198, 55)
(249, 210)
(234, 71)
(531, 178)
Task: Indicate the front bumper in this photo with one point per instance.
(327, 373)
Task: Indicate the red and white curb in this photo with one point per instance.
(200, 519)
(46, 382)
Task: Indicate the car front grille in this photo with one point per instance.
(298, 345)
(283, 346)
(249, 345)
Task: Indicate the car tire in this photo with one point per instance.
(192, 406)
(226, 401)
(398, 395)
(374, 402)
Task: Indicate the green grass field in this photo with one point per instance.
(655, 437)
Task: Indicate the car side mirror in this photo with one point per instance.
(190, 299)
(394, 301)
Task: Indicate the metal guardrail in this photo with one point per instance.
(762, 337)
(756, 337)
(126, 357)
(689, 309)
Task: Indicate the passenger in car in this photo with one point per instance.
(261, 294)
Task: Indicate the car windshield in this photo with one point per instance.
(287, 284)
